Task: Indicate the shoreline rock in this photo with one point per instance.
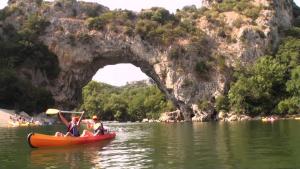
(171, 117)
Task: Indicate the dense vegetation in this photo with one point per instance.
(156, 25)
(21, 50)
(128, 103)
(271, 85)
(244, 7)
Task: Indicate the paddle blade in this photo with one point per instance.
(52, 111)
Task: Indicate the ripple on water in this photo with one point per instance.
(126, 151)
(165, 146)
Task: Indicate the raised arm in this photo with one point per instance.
(63, 119)
(80, 119)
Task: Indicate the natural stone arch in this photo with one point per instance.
(82, 51)
(79, 62)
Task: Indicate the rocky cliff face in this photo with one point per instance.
(232, 38)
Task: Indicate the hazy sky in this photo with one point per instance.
(119, 74)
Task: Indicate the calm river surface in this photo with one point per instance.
(240, 145)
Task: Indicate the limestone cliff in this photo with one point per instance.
(230, 39)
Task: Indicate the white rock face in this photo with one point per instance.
(79, 59)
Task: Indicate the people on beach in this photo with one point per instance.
(19, 120)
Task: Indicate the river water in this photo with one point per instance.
(239, 145)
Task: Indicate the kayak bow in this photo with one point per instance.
(36, 140)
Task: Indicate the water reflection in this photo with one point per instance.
(83, 156)
(240, 145)
(128, 150)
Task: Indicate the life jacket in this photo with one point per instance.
(72, 128)
(98, 126)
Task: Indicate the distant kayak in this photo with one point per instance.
(36, 140)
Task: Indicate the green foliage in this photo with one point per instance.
(3, 14)
(39, 2)
(293, 85)
(8, 11)
(155, 25)
(296, 10)
(289, 52)
(198, 46)
(222, 103)
(33, 26)
(271, 85)
(297, 21)
(204, 105)
(21, 95)
(166, 33)
(244, 7)
(293, 32)
(252, 12)
(157, 14)
(221, 62)
(202, 67)
(289, 106)
(238, 22)
(130, 102)
(20, 51)
(15, 52)
(177, 51)
(258, 93)
(93, 11)
(116, 20)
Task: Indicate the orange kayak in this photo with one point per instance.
(36, 140)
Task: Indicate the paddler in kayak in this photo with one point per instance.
(73, 125)
(97, 127)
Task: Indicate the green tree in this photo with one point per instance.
(130, 102)
(260, 92)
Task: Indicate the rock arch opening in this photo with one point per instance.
(120, 75)
(82, 48)
(122, 92)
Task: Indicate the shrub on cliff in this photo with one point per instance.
(160, 15)
(202, 68)
(222, 103)
(112, 20)
(8, 11)
(19, 52)
(33, 27)
(238, 22)
(244, 7)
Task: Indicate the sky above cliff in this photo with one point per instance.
(120, 74)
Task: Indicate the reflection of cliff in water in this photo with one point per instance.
(73, 157)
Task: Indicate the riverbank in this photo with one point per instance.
(10, 118)
(4, 117)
